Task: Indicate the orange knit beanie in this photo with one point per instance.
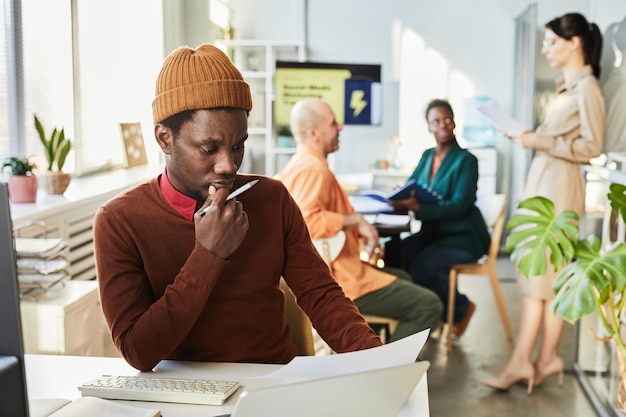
(201, 78)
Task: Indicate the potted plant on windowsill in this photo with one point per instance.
(285, 137)
(56, 149)
(592, 278)
(22, 181)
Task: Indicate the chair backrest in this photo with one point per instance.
(493, 209)
(299, 324)
(329, 247)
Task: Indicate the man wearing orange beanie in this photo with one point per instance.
(184, 273)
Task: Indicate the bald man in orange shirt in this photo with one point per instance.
(327, 210)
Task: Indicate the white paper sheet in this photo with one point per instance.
(370, 218)
(363, 204)
(98, 407)
(502, 120)
(392, 219)
(400, 352)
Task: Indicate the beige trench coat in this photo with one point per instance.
(571, 134)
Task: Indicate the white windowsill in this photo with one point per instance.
(86, 188)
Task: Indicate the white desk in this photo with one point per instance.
(50, 376)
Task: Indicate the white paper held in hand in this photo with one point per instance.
(235, 193)
(502, 120)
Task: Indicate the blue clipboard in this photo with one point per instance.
(424, 194)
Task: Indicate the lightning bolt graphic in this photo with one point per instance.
(357, 103)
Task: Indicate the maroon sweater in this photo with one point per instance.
(166, 297)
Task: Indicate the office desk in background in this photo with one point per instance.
(376, 213)
(50, 376)
(392, 228)
(390, 225)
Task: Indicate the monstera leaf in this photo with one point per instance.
(534, 230)
(590, 280)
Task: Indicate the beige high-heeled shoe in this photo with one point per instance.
(556, 366)
(525, 373)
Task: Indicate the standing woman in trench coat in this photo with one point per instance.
(571, 134)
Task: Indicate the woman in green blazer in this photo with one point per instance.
(453, 230)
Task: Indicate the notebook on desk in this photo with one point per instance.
(379, 392)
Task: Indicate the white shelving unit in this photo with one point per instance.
(256, 59)
(65, 321)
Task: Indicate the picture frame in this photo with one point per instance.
(134, 146)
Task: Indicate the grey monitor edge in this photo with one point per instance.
(13, 393)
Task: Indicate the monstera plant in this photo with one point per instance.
(592, 277)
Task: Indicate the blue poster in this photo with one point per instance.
(358, 102)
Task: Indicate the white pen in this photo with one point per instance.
(235, 193)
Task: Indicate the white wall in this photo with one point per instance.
(474, 40)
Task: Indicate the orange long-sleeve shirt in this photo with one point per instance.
(323, 203)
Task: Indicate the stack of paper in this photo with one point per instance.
(392, 219)
(40, 263)
(365, 204)
(43, 281)
(41, 247)
(33, 265)
(400, 352)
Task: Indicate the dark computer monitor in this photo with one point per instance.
(13, 397)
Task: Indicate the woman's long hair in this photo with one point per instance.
(575, 24)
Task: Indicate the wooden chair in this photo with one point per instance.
(329, 249)
(493, 208)
(385, 326)
(299, 324)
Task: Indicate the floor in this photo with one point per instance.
(454, 389)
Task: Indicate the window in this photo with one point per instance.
(87, 66)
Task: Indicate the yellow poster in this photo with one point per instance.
(295, 84)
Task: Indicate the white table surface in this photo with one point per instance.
(50, 376)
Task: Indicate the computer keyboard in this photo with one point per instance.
(166, 390)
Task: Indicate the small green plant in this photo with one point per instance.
(56, 147)
(18, 165)
(283, 131)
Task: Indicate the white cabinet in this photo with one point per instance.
(256, 59)
(487, 169)
(67, 320)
